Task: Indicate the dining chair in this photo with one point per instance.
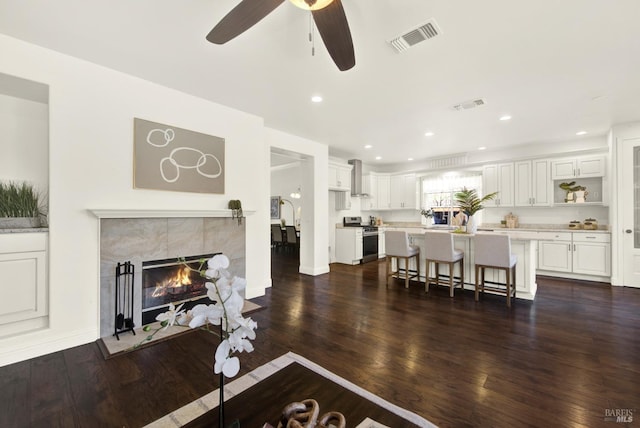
(293, 241)
(277, 238)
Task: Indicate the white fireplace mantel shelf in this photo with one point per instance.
(163, 213)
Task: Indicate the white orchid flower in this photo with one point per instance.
(216, 264)
(202, 314)
(229, 366)
(171, 315)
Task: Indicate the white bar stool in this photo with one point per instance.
(397, 246)
(439, 249)
(494, 251)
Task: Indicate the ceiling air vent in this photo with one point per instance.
(469, 104)
(416, 35)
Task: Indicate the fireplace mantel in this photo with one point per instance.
(107, 213)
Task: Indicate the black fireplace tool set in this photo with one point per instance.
(125, 273)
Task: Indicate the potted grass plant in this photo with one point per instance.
(470, 203)
(21, 205)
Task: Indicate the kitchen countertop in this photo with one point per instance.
(489, 227)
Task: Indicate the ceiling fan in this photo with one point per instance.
(328, 16)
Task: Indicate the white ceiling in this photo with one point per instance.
(557, 67)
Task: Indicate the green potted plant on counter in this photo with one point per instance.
(21, 205)
(470, 203)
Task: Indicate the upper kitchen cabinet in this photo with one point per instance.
(370, 189)
(532, 184)
(377, 189)
(498, 178)
(404, 192)
(582, 167)
(340, 177)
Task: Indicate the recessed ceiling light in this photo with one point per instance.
(316, 99)
(368, 146)
(429, 134)
(378, 157)
(482, 148)
(581, 132)
(410, 159)
(505, 117)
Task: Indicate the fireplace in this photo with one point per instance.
(170, 281)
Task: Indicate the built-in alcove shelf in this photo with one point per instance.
(108, 213)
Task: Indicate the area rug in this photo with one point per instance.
(111, 347)
(195, 412)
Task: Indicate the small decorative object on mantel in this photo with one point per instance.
(236, 210)
(590, 224)
(21, 206)
(235, 331)
(575, 224)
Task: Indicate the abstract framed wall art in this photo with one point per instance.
(170, 158)
(275, 207)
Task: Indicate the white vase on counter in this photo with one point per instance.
(472, 225)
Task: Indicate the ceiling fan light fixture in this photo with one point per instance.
(311, 4)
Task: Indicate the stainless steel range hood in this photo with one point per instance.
(356, 178)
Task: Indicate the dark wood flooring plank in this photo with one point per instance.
(558, 361)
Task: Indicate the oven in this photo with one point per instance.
(369, 244)
(369, 238)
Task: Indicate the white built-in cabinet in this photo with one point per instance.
(382, 252)
(343, 200)
(578, 253)
(583, 167)
(340, 177)
(390, 192)
(377, 187)
(498, 178)
(404, 193)
(532, 184)
(384, 192)
(23, 269)
(370, 189)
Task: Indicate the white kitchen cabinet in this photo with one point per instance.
(498, 178)
(340, 177)
(582, 167)
(23, 269)
(383, 198)
(555, 256)
(532, 183)
(578, 252)
(382, 252)
(403, 191)
(343, 200)
(370, 189)
(349, 247)
(592, 254)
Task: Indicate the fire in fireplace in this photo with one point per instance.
(170, 281)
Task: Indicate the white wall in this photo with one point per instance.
(24, 127)
(283, 182)
(91, 149)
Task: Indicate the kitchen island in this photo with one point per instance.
(551, 250)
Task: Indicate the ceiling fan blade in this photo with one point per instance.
(333, 27)
(242, 17)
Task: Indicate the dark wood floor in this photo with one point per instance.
(559, 361)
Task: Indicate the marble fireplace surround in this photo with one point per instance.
(143, 235)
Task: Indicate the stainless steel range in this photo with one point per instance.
(369, 238)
